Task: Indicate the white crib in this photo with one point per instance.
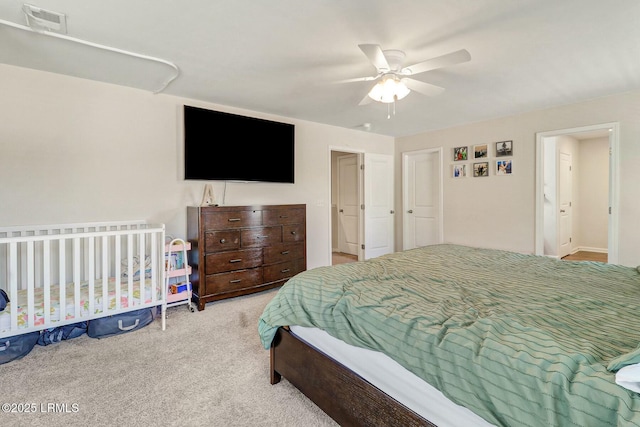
(56, 275)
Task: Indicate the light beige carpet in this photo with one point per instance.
(207, 368)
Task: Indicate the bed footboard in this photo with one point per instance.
(343, 395)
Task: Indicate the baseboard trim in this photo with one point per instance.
(590, 249)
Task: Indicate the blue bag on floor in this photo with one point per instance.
(17, 346)
(120, 323)
(57, 334)
(4, 300)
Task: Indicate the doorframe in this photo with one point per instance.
(360, 155)
(614, 182)
(405, 189)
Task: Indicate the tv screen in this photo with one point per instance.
(230, 147)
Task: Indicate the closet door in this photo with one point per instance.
(378, 205)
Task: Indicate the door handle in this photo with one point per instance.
(392, 212)
(410, 211)
(341, 210)
(561, 210)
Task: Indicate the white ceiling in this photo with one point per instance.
(282, 57)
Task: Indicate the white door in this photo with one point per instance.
(422, 198)
(348, 205)
(565, 184)
(378, 205)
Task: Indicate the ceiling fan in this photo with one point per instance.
(394, 80)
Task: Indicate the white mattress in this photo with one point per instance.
(390, 377)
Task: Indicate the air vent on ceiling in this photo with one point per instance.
(45, 20)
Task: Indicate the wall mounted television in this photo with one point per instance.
(230, 147)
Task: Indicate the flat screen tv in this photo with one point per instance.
(230, 147)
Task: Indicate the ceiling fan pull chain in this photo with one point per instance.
(389, 109)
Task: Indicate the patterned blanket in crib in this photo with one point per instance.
(69, 308)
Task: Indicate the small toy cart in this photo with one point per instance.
(177, 271)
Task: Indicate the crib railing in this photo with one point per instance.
(53, 263)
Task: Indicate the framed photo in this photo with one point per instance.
(459, 171)
(480, 151)
(481, 169)
(504, 148)
(503, 167)
(460, 153)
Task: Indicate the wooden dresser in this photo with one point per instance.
(238, 250)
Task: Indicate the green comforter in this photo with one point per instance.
(521, 340)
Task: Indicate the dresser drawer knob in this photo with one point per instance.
(286, 270)
(262, 237)
(293, 232)
(284, 216)
(234, 219)
(235, 260)
(223, 241)
(235, 281)
(284, 253)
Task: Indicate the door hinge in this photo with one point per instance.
(609, 210)
(569, 239)
(362, 246)
(362, 167)
(362, 207)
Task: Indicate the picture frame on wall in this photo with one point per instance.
(481, 169)
(504, 148)
(459, 171)
(460, 153)
(504, 167)
(480, 151)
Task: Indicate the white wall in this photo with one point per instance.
(74, 150)
(499, 211)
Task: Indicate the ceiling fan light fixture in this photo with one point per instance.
(389, 89)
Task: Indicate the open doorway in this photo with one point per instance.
(372, 186)
(346, 198)
(576, 193)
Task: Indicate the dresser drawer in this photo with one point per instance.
(226, 282)
(233, 260)
(283, 216)
(285, 270)
(282, 253)
(261, 236)
(231, 219)
(218, 241)
(293, 233)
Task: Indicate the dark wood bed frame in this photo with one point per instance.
(343, 395)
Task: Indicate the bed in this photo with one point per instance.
(504, 338)
(56, 275)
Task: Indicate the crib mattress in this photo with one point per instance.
(69, 309)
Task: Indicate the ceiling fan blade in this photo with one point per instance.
(422, 87)
(357, 79)
(366, 100)
(452, 58)
(376, 56)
